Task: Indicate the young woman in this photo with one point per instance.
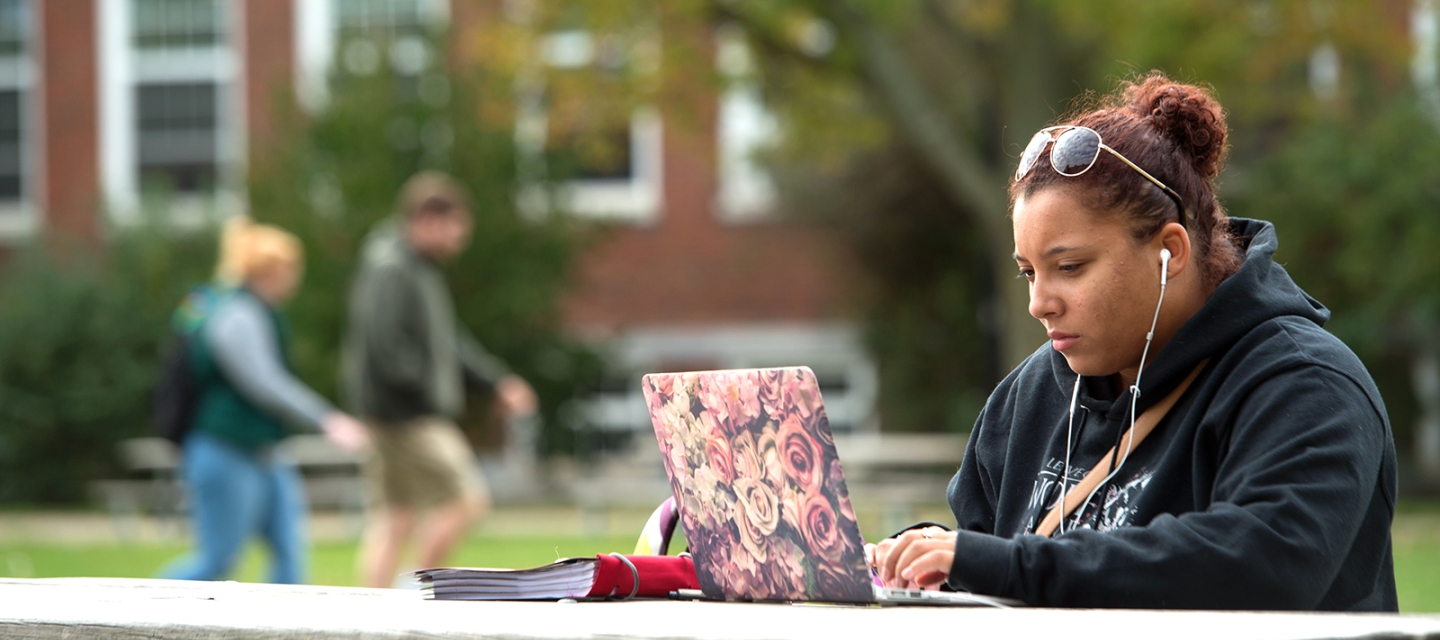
(237, 486)
(1190, 437)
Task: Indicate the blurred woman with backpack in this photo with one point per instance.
(246, 394)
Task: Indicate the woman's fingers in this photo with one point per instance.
(925, 542)
(888, 552)
(896, 558)
(890, 556)
(931, 568)
(907, 557)
(883, 551)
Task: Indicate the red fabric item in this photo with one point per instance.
(659, 575)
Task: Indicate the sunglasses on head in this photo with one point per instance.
(1074, 151)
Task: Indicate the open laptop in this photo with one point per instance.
(752, 462)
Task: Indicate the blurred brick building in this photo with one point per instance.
(99, 96)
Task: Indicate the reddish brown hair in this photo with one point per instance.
(1177, 133)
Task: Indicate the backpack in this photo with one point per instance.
(177, 392)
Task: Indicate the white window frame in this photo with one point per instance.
(637, 200)
(317, 33)
(746, 191)
(1425, 63)
(123, 68)
(21, 218)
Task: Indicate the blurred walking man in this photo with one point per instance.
(406, 363)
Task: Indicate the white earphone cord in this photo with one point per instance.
(1069, 438)
(1134, 397)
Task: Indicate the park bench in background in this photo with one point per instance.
(632, 478)
(897, 472)
(152, 486)
(892, 473)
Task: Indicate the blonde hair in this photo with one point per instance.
(248, 249)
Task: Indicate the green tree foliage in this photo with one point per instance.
(80, 331)
(1357, 204)
(338, 177)
(949, 90)
(924, 314)
(79, 337)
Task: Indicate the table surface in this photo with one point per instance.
(125, 608)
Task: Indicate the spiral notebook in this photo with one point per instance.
(607, 576)
(567, 578)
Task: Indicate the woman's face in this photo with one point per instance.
(1092, 285)
(277, 284)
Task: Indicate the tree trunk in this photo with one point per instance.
(920, 119)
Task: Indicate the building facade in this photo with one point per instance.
(102, 99)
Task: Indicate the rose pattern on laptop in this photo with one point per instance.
(766, 481)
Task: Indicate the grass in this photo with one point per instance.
(331, 563)
(1416, 535)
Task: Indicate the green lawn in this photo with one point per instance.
(331, 562)
(1416, 537)
(1416, 534)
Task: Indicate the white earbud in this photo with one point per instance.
(1164, 266)
(1134, 398)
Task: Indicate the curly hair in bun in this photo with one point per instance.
(1177, 133)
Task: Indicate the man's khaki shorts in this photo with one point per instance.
(421, 463)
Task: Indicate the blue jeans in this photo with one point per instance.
(234, 495)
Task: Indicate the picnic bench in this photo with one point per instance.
(899, 471)
(84, 608)
(152, 465)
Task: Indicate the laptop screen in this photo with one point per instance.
(762, 500)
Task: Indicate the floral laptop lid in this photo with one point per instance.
(752, 463)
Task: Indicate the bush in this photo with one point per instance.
(1355, 204)
(78, 345)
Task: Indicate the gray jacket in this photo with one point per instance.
(406, 355)
(241, 338)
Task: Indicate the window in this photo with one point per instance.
(183, 81)
(746, 128)
(15, 95)
(361, 32)
(10, 156)
(14, 28)
(609, 153)
(391, 19)
(179, 24)
(1425, 65)
(178, 134)
(171, 119)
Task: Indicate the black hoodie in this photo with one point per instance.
(1269, 485)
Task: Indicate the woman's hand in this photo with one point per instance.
(915, 559)
(516, 396)
(346, 432)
